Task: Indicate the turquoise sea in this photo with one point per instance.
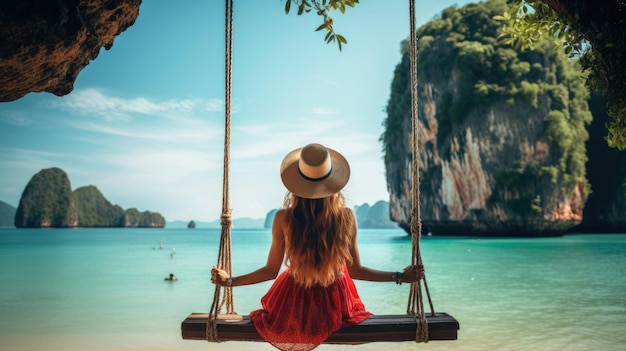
(104, 289)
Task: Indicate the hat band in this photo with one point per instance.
(316, 179)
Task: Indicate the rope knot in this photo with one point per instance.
(226, 219)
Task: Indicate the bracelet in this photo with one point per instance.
(399, 278)
(230, 281)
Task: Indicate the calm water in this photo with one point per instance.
(103, 289)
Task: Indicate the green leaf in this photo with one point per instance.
(341, 39)
(322, 26)
(301, 9)
(287, 6)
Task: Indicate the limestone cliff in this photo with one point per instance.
(501, 132)
(7, 215)
(44, 44)
(48, 201)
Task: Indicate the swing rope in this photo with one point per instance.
(224, 260)
(415, 304)
(224, 299)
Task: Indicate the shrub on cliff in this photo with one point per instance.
(47, 201)
(502, 132)
(94, 210)
(375, 216)
(134, 218)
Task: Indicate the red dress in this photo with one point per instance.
(294, 318)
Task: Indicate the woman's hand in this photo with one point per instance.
(412, 273)
(219, 276)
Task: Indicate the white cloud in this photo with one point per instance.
(168, 156)
(15, 118)
(111, 108)
(215, 105)
(324, 111)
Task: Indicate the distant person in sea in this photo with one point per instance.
(315, 234)
(171, 277)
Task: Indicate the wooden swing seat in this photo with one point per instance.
(377, 328)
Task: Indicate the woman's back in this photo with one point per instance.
(318, 237)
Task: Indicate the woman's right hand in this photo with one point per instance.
(219, 276)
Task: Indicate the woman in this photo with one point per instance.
(316, 236)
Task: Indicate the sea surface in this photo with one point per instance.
(104, 289)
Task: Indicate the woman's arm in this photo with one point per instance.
(409, 274)
(272, 266)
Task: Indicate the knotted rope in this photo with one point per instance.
(416, 304)
(224, 260)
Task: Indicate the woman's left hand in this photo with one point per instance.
(219, 276)
(412, 273)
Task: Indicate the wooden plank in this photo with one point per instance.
(377, 328)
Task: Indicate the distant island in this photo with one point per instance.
(48, 201)
(368, 217)
(7, 214)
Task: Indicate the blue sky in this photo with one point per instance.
(145, 120)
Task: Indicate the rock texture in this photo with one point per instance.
(44, 44)
(48, 201)
(375, 216)
(501, 134)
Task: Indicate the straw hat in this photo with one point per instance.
(314, 171)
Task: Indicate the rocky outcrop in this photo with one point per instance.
(146, 219)
(44, 44)
(48, 201)
(269, 218)
(375, 216)
(7, 215)
(501, 133)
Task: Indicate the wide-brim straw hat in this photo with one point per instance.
(314, 171)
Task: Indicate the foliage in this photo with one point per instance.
(398, 105)
(529, 22)
(375, 216)
(324, 8)
(47, 201)
(593, 32)
(134, 218)
(472, 71)
(94, 210)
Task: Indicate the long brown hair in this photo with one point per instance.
(318, 240)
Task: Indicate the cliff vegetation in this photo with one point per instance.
(502, 132)
(48, 201)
